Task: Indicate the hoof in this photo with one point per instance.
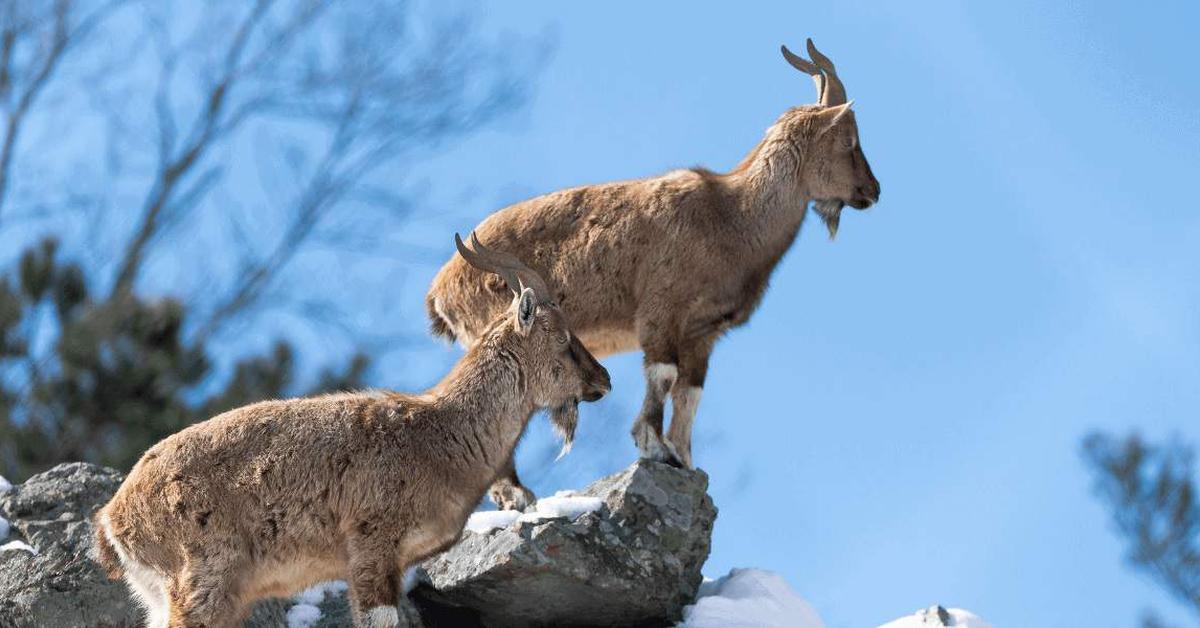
(671, 456)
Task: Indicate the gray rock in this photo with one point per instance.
(634, 562)
(61, 585)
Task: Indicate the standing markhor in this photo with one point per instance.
(271, 498)
(668, 264)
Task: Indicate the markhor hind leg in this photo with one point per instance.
(685, 398)
(507, 492)
(647, 428)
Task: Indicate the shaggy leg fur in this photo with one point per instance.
(375, 581)
(684, 400)
(685, 395)
(507, 492)
(647, 429)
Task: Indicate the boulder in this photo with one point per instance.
(60, 585)
(635, 561)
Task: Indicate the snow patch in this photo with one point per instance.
(17, 545)
(563, 504)
(5, 485)
(303, 616)
(306, 612)
(567, 504)
(931, 617)
(4, 528)
(485, 521)
(749, 598)
(315, 594)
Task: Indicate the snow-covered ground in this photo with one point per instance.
(753, 597)
(749, 598)
(938, 616)
(5, 485)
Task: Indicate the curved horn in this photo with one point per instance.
(807, 67)
(512, 270)
(835, 92)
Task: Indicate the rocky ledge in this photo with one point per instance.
(633, 560)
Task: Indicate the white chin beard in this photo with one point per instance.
(564, 419)
(830, 212)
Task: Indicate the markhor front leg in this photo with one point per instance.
(647, 429)
(507, 492)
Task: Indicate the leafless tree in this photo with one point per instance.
(34, 39)
(219, 155)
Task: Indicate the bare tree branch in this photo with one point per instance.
(62, 37)
(175, 168)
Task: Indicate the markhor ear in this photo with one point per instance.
(526, 309)
(830, 116)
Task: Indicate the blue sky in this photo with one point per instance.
(899, 424)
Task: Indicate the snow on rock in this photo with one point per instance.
(4, 528)
(307, 612)
(749, 598)
(303, 616)
(315, 594)
(17, 545)
(564, 504)
(485, 521)
(567, 504)
(5, 485)
(938, 617)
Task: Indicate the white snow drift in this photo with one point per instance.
(749, 598)
(938, 616)
(564, 504)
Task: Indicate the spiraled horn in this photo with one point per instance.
(512, 270)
